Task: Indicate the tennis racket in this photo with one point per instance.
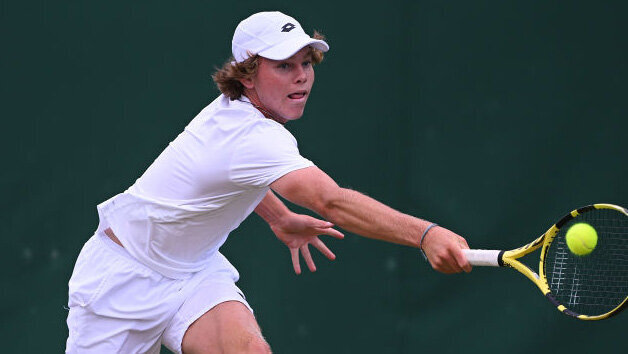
(589, 287)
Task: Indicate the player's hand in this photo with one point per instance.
(444, 251)
(298, 231)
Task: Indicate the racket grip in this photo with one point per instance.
(488, 258)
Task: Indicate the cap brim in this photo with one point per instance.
(289, 48)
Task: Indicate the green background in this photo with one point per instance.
(492, 118)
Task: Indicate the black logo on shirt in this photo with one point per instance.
(288, 27)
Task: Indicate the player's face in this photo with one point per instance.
(283, 86)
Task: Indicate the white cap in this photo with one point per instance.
(271, 35)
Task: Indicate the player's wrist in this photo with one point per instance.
(422, 239)
(273, 215)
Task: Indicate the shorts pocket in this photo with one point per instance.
(93, 268)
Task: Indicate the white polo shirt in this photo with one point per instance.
(202, 186)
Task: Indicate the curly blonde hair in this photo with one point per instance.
(228, 77)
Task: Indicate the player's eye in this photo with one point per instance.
(307, 63)
(283, 66)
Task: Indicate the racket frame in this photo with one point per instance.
(510, 259)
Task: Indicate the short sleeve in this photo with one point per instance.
(265, 154)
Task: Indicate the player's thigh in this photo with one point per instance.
(229, 327)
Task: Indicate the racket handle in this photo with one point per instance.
(489, 258)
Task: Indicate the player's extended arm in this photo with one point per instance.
(296, 231)
(312, 188)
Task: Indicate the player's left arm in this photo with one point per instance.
(296, 231)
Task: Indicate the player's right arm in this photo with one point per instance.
(314, 189)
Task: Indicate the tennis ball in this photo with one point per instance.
(581, 239)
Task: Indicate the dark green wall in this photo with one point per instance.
(490, 117)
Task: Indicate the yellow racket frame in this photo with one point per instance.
(509, 259)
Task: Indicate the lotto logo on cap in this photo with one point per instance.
(272, 35)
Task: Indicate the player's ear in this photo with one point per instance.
(247, 83)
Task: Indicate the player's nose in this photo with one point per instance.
(300, 75)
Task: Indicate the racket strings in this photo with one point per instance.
(596, 283)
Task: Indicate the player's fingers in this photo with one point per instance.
(294, 253)
(443, 264)
(443, 268)
(446, 262)
(463, 242)
(460, 260)
(305, 251)
(454, 267)
(318, 223)
(447, 271)
(323, 248)
(330, 232)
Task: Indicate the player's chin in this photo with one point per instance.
(294, 112)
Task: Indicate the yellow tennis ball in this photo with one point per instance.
(581, 239)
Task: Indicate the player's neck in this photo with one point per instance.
(255, 101)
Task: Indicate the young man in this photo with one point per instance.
(152, 274)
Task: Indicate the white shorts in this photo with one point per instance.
(118, 305)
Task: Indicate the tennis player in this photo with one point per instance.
(152, 273)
